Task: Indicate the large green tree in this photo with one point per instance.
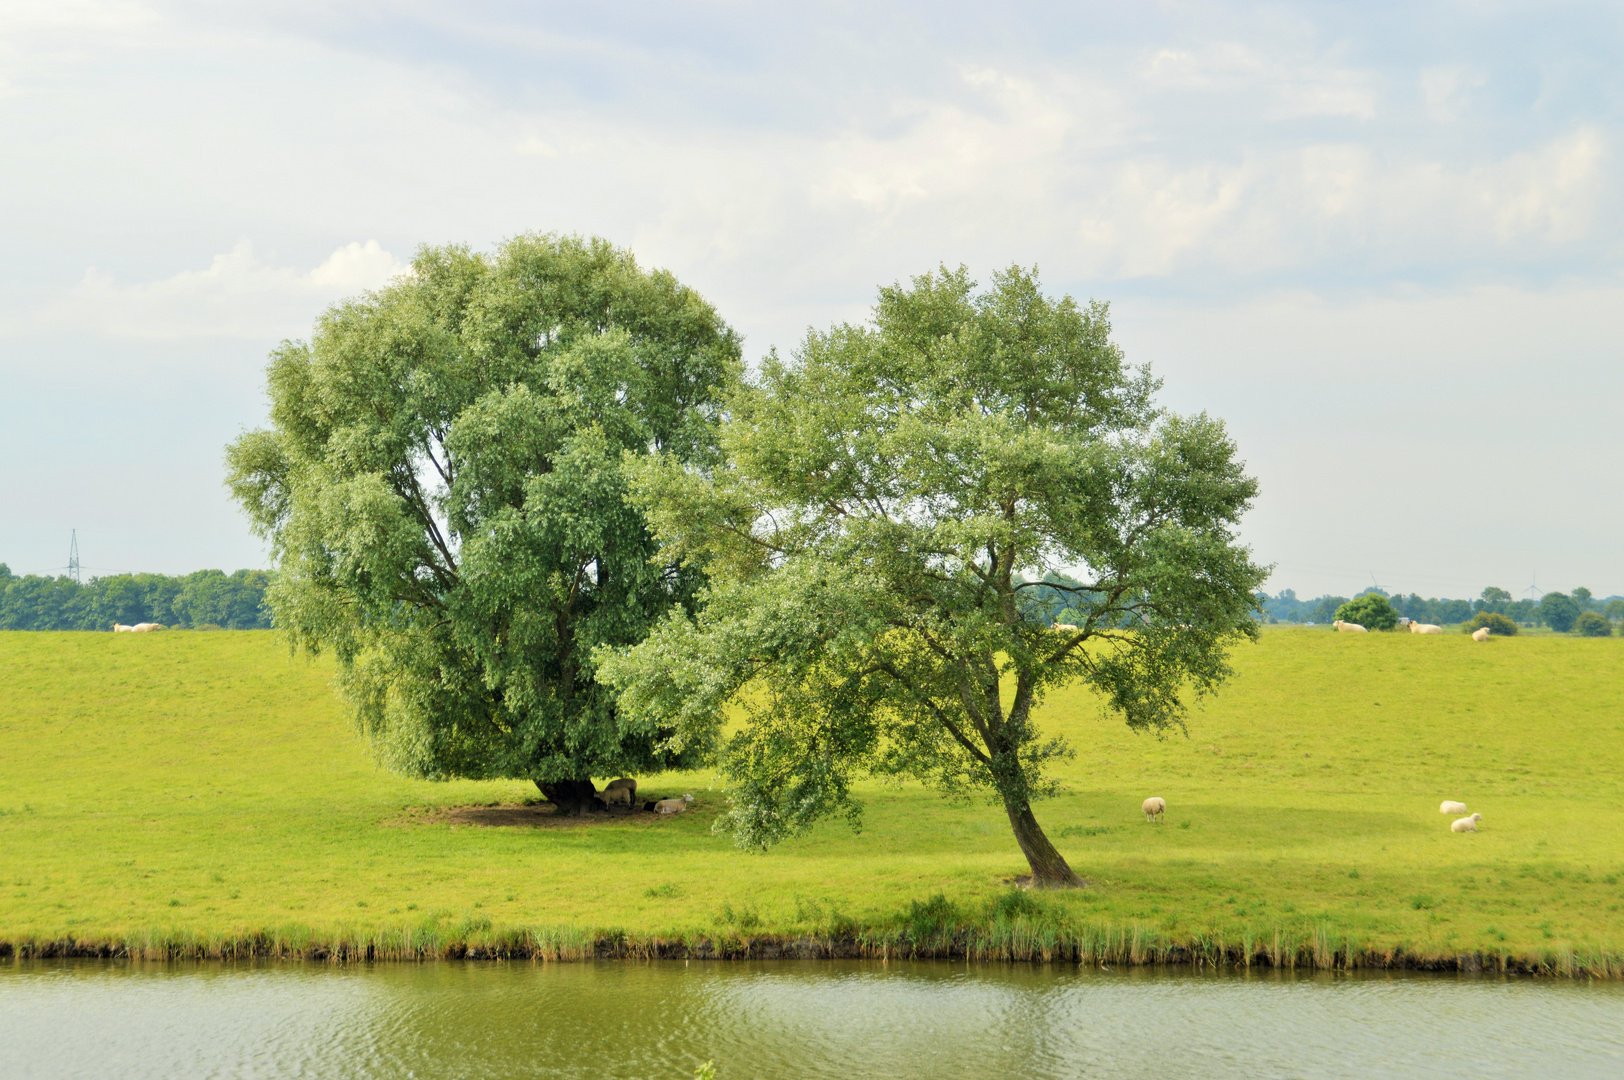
(1370, 610)
(1558, 611)
(886, 535)
(443, 488)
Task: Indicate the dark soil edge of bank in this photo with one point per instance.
(1012, 943)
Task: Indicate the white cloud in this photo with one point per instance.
(239, 295)
(1292, 83)
(1447, 91)
(1301, 206)
(534, 146)
(32, 16)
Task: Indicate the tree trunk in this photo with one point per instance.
(573, 797)
(1049, 869)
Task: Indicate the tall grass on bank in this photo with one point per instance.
(927, 931)
(191, 795)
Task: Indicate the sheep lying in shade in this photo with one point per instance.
(1154, 807)
(1481, 635)
(673, 806)
(1348, 627)
(1466, 824)
(1425, 628)
(1450, 806)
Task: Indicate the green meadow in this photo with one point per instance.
(186, 790)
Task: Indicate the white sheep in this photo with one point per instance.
(1154, 807)
(1466, 824)
(673, 806)
(1065, 626)
(143, 627)
(1450, 806)
(1425, 628)
(1481, 635)
(623, 790)
(1348, 627)
(120, 628)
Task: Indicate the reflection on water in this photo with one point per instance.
(784, 1020)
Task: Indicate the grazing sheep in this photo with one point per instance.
(1348, 627)
(1154, 807)
(120, 628)
(1064, 626)
(613, 795)
(1466, 824)
(626, 784)
(1450, 806)
(143, 627)
(1425, 628)
(1481, 635)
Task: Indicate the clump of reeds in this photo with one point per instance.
(1014, 928)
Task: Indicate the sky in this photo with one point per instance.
(1382, 241)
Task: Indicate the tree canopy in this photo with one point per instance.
(1558, 611)
(1370, 610)
(202, 599)
(897, 506)
(1497, 624)
(443, 489)
(1592, 624)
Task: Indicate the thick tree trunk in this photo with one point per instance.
(573, 797)
(1049, 869)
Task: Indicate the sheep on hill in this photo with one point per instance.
(1425, 628)
(1154, 807)
(1466, 824)
(1450, 806)
(1481, 635)
(1348, 627)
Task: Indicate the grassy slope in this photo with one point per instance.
(192, 785)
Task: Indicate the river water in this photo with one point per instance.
(848, 1020)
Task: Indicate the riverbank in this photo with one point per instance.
(193, 795)
(1019, 941)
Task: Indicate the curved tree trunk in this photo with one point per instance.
(573, 797)
(1049, 869)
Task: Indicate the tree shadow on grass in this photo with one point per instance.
(532, 816)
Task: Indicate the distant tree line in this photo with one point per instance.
(206, 599)
(1562, 612)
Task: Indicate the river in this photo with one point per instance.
(848, 1020)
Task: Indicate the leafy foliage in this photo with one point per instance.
(1558, 611)
(204, 598)
(885, 539)
(1592, 624)
(1371, 611)
(443, 489)
(1497, 624)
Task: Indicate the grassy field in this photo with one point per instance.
(204, 788)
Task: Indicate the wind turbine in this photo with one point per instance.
(1534, 588)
